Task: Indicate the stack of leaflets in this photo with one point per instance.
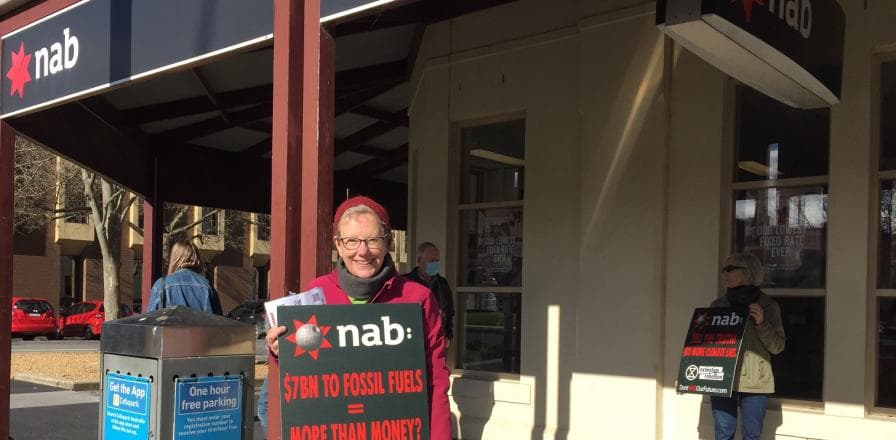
(313, 297)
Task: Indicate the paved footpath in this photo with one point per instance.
(41, 412)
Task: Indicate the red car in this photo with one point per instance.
(86, 319)
(33, 317)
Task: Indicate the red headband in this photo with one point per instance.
(351, 202)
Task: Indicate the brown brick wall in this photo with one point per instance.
(37, 275)
(93, 271)
(234, 284)
(36, 272)
(126, 273)
(93, 279)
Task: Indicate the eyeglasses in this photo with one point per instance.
(372, 242)
(732, 268)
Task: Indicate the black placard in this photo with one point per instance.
(711, 351)
(353, 371)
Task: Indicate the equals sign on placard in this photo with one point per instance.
(356, 408)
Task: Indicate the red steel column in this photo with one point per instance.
(7, 214)
(295, 115)
(317, 173)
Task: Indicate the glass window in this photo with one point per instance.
(780, 214)
(798, 372)
(493, 162)
(490, 248)
(263, 226)
(885, 393)
(886, 250)
(211, 221)
(491, 324)
(33, 306)
(261, 281)
(886, 352)
(787, 229)
(888, 113)
(775, 141)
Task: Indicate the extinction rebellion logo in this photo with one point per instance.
(797, 14)
(48, 61)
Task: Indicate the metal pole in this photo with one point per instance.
(153, 210)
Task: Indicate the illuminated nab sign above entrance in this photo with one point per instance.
(791, 50)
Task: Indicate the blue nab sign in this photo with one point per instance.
(126, 407)
(95, 44)
(208, 408)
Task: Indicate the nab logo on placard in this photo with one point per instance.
(701, 320)
(797, 14)
(48, 61)
(727, 320)
(310, 337)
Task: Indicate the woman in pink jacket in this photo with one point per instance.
(366, 274)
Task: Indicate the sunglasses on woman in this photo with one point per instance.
(731, 268)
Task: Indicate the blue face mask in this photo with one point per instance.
(432, 268)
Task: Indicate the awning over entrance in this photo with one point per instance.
(237, 105)
(205, 116)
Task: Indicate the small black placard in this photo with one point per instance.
(711, 351)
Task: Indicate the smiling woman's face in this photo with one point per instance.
(364, 261)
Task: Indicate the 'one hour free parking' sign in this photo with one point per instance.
(208, 408)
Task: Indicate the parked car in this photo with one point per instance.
(250, 312)
(86, 319)
(32, 317)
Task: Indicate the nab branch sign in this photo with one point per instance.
(95, 44)
(791, 50)
(353, 372)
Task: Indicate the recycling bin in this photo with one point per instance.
(177, 373)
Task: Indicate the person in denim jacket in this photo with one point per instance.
(185, 283)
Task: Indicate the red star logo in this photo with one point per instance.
(324, 329)
(748, 7)
(701, 320)
(18, 72)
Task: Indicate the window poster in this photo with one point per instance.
(494, 254)
(786, 228)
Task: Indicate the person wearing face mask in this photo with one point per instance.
(427, 274)
(366, 275)
(742, 275)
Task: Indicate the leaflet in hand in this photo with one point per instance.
(311, 297)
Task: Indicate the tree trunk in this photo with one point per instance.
(104, 213)
(110, 286)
